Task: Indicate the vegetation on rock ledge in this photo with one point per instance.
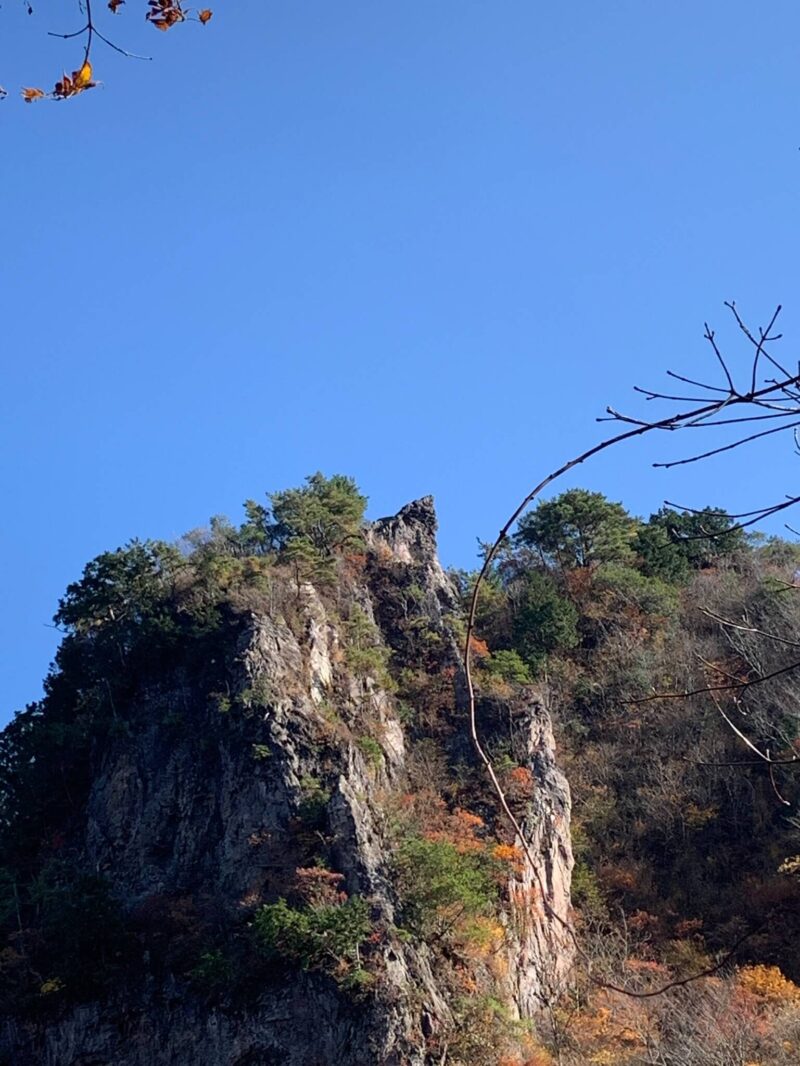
(596, 609)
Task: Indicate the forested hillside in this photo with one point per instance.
(685, 838)
(246, 824)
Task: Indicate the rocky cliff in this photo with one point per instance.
(318, 730)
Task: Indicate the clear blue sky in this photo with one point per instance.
(422, 244)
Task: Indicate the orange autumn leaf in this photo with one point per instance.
(164, 14)
(64, 88)
(29, 95)
(205, 15)
(478, 647)
(509, 853)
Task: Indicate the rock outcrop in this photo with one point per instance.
(207, 797)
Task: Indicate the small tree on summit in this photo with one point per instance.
(328, 513)
(310, 525)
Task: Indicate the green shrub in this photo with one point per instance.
(626, 588)
(323, 937)
(672, 543)
(439, 885)
(509, 666)
(587, 894)
(365, 653)
(213, 971)
(358, 980)
(484, 1033)
(83, 934)
(544, 621)
(371, 750)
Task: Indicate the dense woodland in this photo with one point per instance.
(686, 840)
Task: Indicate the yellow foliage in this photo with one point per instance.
(768, 984)
(509, 853)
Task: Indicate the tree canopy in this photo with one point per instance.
(578, 528)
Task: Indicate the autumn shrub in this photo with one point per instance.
(319, 887)
(171, 930)
(768, 986)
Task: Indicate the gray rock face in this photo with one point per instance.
(210, 807)
(545, 946)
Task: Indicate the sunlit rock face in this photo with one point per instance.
(198, 801)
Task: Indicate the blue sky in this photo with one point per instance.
(420, 244)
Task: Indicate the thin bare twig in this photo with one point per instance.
(710, 336)
(759, 345)
(91, 32)
(726, 447)
(699, 384)
(737, 685)
(730, 624)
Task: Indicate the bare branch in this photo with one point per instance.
(726, 447)
(738, 685)
(763, 756)
(785, 802)
(700, 384)
(748, 629)
(711, 338)
(759, 344)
